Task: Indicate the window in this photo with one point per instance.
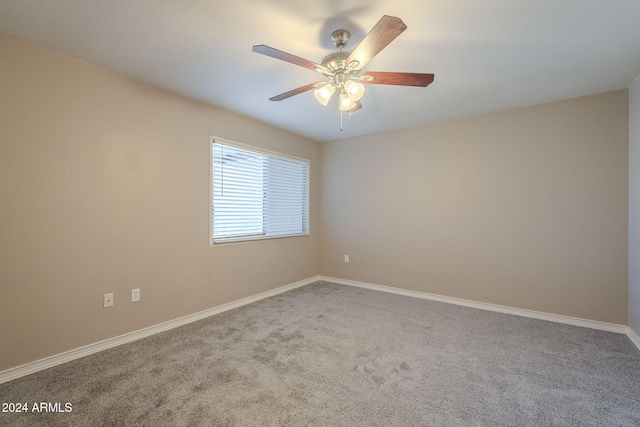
(257, 194)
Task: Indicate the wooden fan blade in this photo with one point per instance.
(383, 33)
(294, 92)
(284, 56)
(400, 79)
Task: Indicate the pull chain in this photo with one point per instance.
(340, 120)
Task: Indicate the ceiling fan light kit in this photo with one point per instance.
(342, 69)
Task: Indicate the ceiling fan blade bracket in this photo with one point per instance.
(353, 66)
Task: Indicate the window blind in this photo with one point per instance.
(257, 195)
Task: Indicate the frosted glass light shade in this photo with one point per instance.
(346, 103)
(354, 89)
(324, 93)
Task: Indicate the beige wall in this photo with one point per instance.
(524, 208)
(634, 206)
(104, 187)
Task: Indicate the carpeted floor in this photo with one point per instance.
(332, 355)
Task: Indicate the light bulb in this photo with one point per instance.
(324, 93)
(346, 103)
(354, 89)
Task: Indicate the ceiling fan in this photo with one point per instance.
(342, 69)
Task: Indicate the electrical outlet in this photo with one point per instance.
(108, 300)
(346, 258)
(135, 295)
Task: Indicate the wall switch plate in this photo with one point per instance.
(135, 295)
(346, 258)
(108, 300)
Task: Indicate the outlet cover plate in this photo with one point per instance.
(108, 300)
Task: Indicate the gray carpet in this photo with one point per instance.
(331, 355)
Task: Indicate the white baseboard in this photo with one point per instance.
(58, 359)
(611, 327)
(633, 337)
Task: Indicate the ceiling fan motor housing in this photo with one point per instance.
(335, 60)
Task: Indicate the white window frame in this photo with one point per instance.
(223, 241)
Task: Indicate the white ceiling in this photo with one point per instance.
(486, 55)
